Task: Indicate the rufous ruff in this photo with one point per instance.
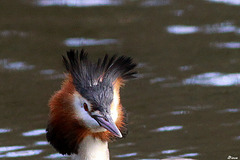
(86, 113)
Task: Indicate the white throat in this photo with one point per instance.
(92, 149)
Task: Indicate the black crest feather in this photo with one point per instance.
(111, 67)
(89, 77)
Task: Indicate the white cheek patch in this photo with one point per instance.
(114, 107)
(83, 115)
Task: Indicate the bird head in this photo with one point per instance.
(96, 107)
(89, 101)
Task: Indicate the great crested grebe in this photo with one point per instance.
(86, 113)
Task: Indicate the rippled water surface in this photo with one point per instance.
(185, 101)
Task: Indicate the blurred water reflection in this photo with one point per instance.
(56, 156)
(182, 29)
(15, 65)
(47, 71)
(77, 3)
(229, 2)
(41, 143)
(8, 33)
(10, 148)
(36, 132)
(167, 128)
(214, 79)
(224, 27)
(3, 130)
(180, 112)
(230, 45)
(126, 155)
(21, 154)
(79, 42)
(184, 102)
(149, 3)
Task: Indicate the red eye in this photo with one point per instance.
(85, 107)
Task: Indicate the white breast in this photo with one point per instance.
(92, 149)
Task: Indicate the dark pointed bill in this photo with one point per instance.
(109, 125)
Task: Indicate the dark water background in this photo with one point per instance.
(185, 102)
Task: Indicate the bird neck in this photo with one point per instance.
(92, 148)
